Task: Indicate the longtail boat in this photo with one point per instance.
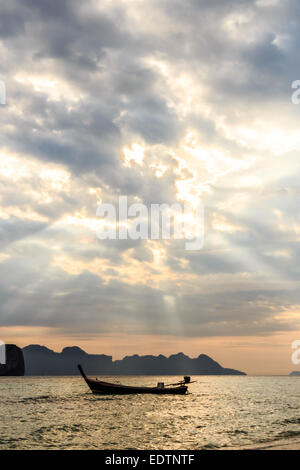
(107, 388)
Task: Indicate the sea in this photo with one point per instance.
(219, 412)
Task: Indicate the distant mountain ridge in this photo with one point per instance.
(40, 360)
(295, 372)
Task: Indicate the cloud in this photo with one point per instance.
(203, 89)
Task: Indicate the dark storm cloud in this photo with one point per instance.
(11, 22)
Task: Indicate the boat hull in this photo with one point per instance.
(105, 388)
(101, 389)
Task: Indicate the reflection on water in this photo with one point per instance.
(60, 413)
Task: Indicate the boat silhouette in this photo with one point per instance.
(107, 388)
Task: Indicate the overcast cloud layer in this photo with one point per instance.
(201, 91)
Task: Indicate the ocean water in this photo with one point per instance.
(219, 412)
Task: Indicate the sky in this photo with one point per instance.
(163, 101)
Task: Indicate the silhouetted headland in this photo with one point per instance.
(14, 361)
(295, 372)
(40, 360)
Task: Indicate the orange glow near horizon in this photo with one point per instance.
(260, 355)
